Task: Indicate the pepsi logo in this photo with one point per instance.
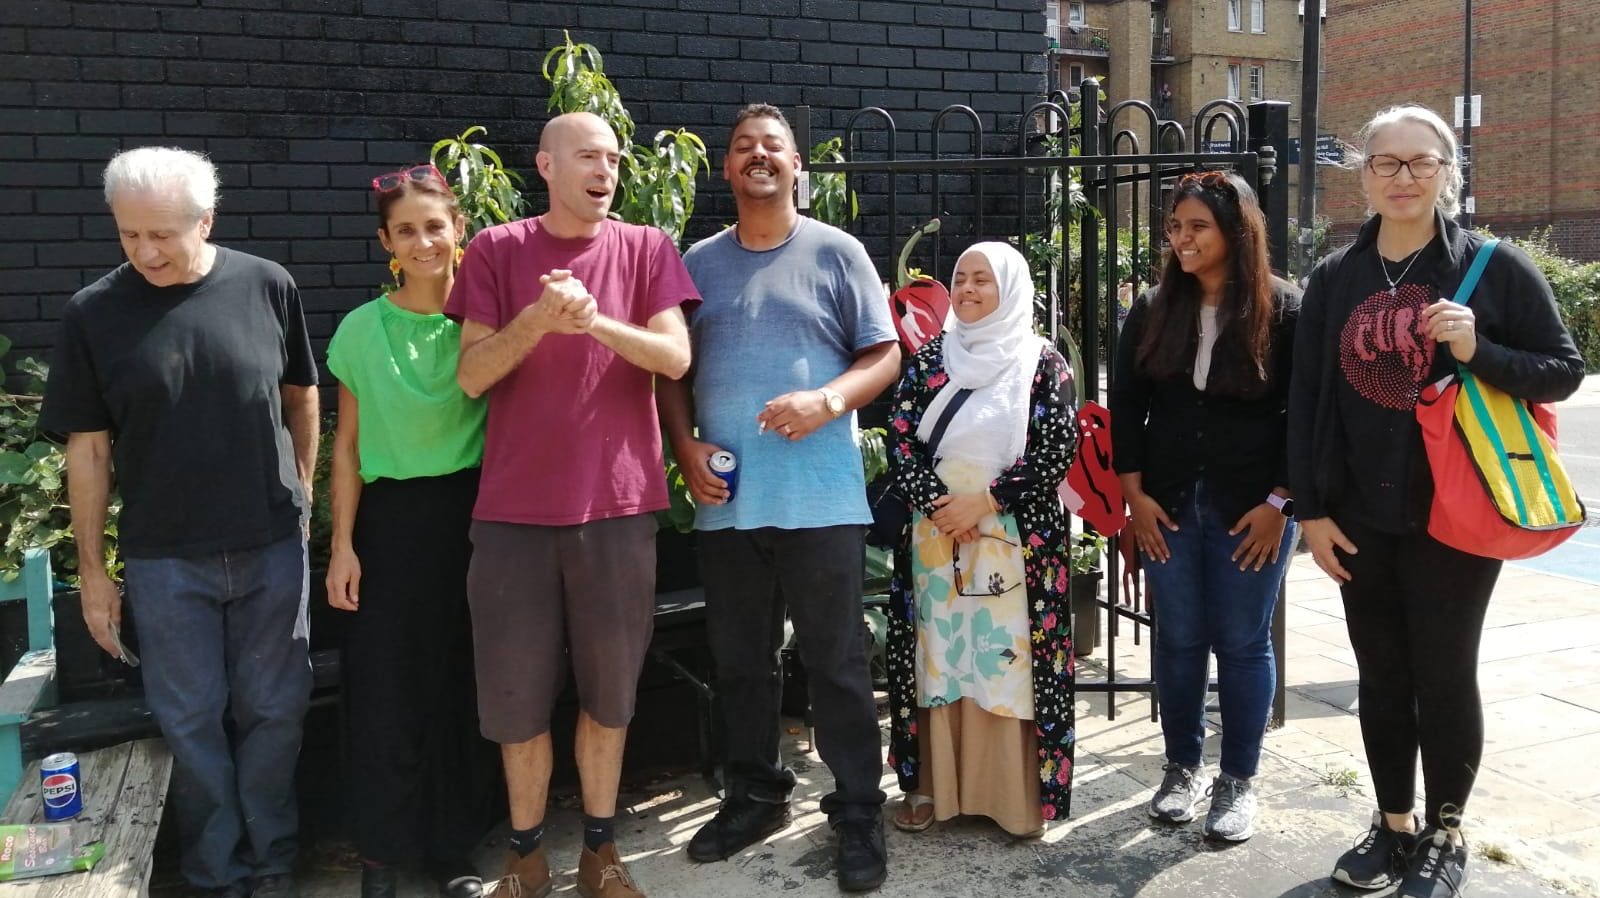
(59, 789)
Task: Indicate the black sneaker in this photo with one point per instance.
(275, 885)
(1378, 860)
(861, 858)
(1438, 868)
(739, 823)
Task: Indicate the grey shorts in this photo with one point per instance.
(539, 593)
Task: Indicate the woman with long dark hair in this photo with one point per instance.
(1379, 323)
(1198, 434)
(406, 453)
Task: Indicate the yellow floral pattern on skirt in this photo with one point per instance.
(973, 627)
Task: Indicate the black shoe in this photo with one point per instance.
(740, 823)
(1438, 868)
(860, 856)
(379, 880)
(275, 885)
(1378, 860)
(458, 879)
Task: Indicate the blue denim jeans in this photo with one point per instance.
(1205, 604)
(225, 635)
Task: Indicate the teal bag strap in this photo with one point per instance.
(1479, 263)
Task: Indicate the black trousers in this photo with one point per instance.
(750, 577)
(1415, 610)
(420, 776)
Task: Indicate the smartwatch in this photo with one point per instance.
(1281, 503)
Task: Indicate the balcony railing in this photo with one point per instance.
(1081, 39)
(1161, 47)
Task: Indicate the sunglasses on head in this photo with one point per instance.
(1209, 180)
(392, 180)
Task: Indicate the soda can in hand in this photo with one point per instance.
(726, 467)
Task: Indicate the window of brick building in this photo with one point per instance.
(1233, 81)
(1075, 13)
(1258, 82)
(1233, 15)
(1258, 16)
(1074, 75)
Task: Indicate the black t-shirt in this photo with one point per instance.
(1384, 361)
(186, 379)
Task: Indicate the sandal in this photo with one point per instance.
(909, 817)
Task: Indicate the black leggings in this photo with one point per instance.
(1415, 611)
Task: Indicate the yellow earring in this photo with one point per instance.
(461, 252)
(394, 270)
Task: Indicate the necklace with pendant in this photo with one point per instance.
(1394, 283)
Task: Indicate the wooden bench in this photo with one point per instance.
(31, 683)
(124, 791)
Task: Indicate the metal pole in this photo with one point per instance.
(1466, 125)
(1310, 78)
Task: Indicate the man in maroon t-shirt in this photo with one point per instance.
(565, 320)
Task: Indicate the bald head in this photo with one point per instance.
(560, 132)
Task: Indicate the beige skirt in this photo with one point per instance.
(980, 764)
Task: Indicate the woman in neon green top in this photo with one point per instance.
(405, 473)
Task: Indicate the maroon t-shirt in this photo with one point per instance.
(572, 433)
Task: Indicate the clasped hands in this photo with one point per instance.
(565, 306)
(958, 516)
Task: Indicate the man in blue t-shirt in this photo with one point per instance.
(793, 335)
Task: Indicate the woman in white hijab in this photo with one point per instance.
(980, 641)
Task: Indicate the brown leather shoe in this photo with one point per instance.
(601, 874)
(525, 877)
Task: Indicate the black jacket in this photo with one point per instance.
(1174, 435)
(1523, 348)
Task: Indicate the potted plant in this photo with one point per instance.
(1088, 548)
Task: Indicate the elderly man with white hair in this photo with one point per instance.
(187, 374)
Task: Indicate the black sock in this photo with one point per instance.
(597, 831)
(526, 841)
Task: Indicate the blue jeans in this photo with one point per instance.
(225, 635)
(1205, 604)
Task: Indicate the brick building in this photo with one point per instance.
(302, 102)
(1536, 64)
(1198, 50)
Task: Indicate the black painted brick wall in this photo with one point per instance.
(302, 102)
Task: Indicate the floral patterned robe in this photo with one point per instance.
(1027, 491)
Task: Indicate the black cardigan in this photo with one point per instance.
(1523, 348)
(1174, 435)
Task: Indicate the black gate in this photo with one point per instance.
(1064, 150)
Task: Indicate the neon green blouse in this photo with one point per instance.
(414, 419)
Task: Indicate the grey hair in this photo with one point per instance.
(148, 169)
(1449, 201)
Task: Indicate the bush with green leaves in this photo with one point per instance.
(655, 181)
(489, 193)
(1577, 289)
(34, 513)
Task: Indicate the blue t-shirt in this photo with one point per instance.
(772, 322)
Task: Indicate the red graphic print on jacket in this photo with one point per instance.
(1382, 350)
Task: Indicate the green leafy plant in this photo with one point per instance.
(656, 182)
(33, 496)
(1577, 289)
(1086, 551)
(489, 193)
(831, 202)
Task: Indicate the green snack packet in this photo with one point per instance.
(43, 849)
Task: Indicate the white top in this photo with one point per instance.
(1208, 341)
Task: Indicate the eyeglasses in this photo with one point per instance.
(1421, 168)
(996, 584)
(1209, 180)
(388, 182)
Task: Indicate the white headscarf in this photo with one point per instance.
(996, 357)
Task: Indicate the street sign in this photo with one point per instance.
(1477, 111)
(1330, 151)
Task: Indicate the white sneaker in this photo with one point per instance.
(1180, 790)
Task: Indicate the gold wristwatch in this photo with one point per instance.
(834, 401)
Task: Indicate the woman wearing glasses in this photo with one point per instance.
(980, 641)
(405, 473)
(1198, 434)
(1377, 325)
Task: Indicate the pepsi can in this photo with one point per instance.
(61, 786)
(726, 466)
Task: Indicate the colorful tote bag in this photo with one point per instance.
(1500, 490)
